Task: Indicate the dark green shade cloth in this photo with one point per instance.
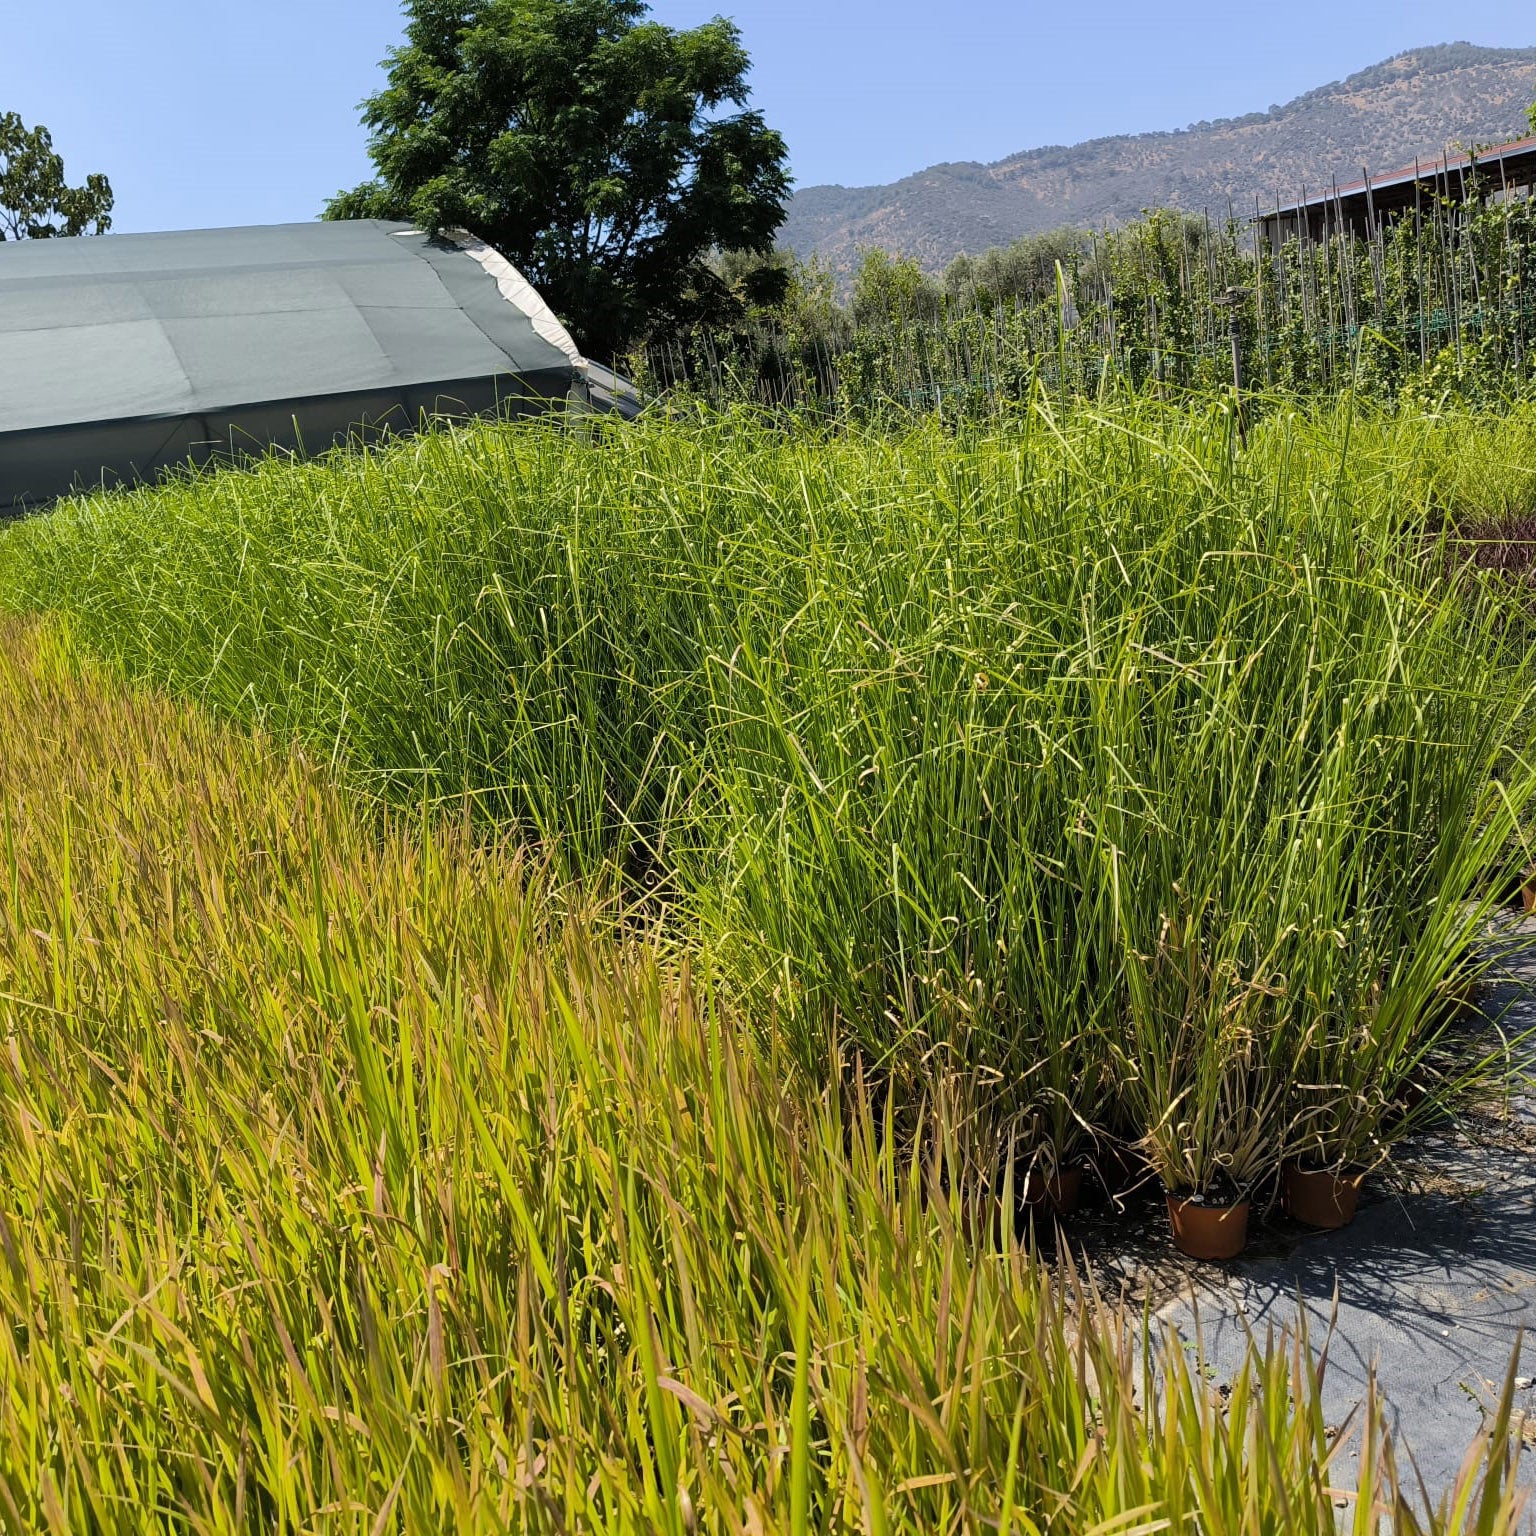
(121, 355)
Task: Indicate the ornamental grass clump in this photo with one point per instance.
(1131, 782)
(1119, 785)
(359, 1179)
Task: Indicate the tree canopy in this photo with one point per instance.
(35, 199)
(605, 154)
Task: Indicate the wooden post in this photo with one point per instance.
(1418, 261)
(1372, 231)
(1232, 301)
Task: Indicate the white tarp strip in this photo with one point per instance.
(519, 292)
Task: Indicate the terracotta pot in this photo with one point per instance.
(1208, 1231)
(1528, 894)
(1060, 1191)
(1318, 1198)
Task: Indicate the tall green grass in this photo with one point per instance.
(350, 1188)
(1157, 789)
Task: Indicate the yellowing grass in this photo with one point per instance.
(349, 1188)
(1138, 776)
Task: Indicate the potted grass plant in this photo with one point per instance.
(1209, 1104)
(1061, 1083)
(1056, 1054)
(1054, 1181)
(1403, 1044)
(1198, 1073)
(1404, 1061)
(1333, 1142)
(1066, 1082)
(1210, 1150)
(1332, 1044)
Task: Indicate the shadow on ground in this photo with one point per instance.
(1434, 1283)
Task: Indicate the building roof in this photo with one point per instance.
(1513, 163)
(126, 353)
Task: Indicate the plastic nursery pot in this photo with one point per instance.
(1210, 1232)
(1317, 1197)
(1059, 1192)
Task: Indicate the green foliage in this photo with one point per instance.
(893, 290)
(585, 142)
(1131, 779)
(773, 337)
(1441, 304)
(35, 199)
(730, 295)
(352, 1188)
(1021, 273)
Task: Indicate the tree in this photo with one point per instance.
(35, 199)
(585, 142)
(893, 291)
(1024, 272)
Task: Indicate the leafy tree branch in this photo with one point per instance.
(605, 154)
(36, 200)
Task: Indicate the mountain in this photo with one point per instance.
(1414, 104)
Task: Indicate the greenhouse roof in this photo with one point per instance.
(125, 354)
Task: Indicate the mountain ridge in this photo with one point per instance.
(1414, 103)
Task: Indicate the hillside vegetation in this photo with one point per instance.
(1413, 105)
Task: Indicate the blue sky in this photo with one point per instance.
(246, 113)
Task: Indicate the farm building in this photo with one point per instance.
(127, 354)
(1362, 207)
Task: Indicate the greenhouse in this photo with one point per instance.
(126, 355)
